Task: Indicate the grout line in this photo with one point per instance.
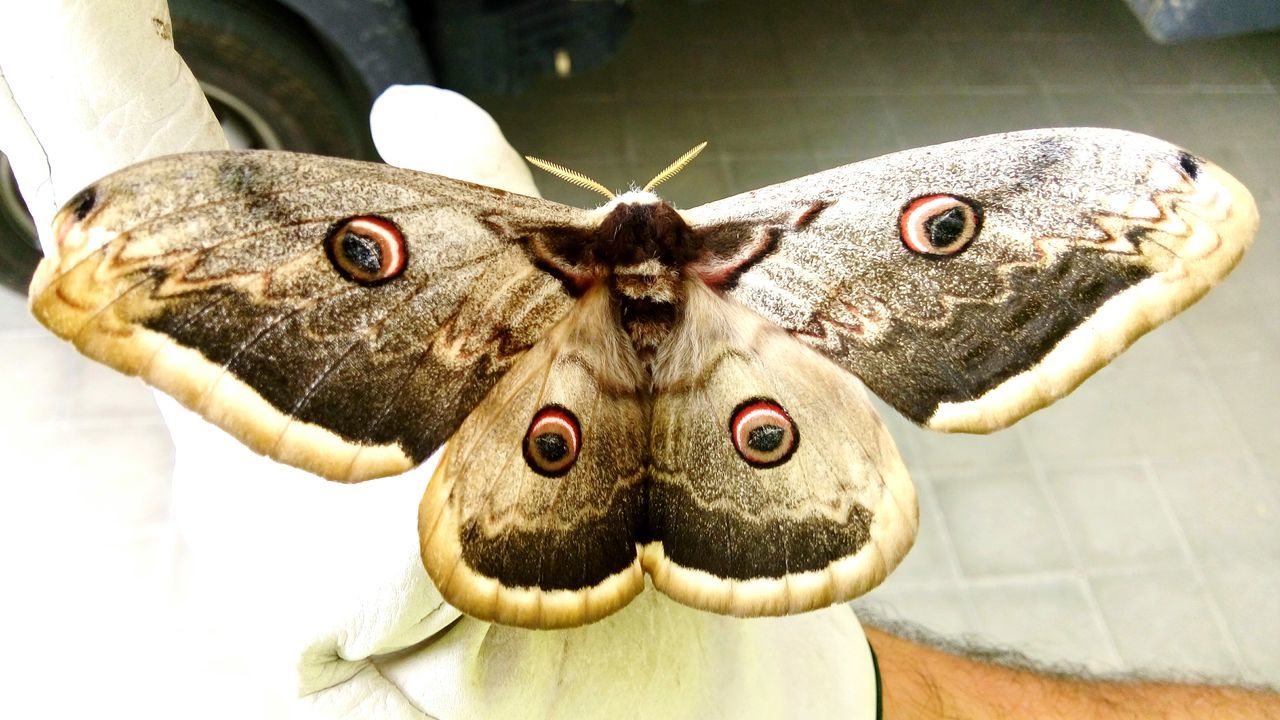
(1030, 579)
(1216, 614)
(957, 582)
(1041, 479)
(1217, 399)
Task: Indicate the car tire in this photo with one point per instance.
(262, 64)
(269, 80)
(19, 249)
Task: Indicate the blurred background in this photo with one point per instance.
(1134, 525)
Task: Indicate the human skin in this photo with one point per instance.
(919, 681)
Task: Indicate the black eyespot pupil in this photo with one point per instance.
(946, 227)
(765, 438)
(551, 447)
(362, 252)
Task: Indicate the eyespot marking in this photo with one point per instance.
(552, 441)
(367, 249)
(939, 225)
(763, 433)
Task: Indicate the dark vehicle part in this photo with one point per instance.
(270, 77)
(19, 250)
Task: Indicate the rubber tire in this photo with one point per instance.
(19, 249)
(268, 58)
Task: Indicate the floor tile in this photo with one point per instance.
(824, 64)
(1250, 390)
(659, 130)
(596, 130)
(749, 173)
(1163, 623)
(1114, 516)
(947, 454)
(1085, 425)
(756, 125)
(1051, 621)
(702, 182)
(1222, 63)
(1092, 63)
(1177, 414)
(1254, 117)
(96, 392)
(1248, 590)
(1231, 328)
(852, 128)
(936, 611)
(1222, 507)
(931, 560)
(1112, 107)
(760, 70)
(1001, 523)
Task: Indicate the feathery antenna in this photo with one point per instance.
(570, 176)
(675, 167)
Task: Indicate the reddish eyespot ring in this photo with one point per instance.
(367, 249)
(552, 441)
(763, 433)
(939, 225)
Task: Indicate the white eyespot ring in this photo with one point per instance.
(939, 225)
(552, 441)
(763, 433)
(367, 249)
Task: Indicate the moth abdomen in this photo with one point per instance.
(647, 322)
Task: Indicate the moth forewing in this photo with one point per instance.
(1088, 238)
(1202, 227)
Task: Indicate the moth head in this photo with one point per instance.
(366, 249)
(939, 225)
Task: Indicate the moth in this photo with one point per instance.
(637, 390)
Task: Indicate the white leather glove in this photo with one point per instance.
(305, 596)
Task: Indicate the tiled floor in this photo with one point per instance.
(1134, 525)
